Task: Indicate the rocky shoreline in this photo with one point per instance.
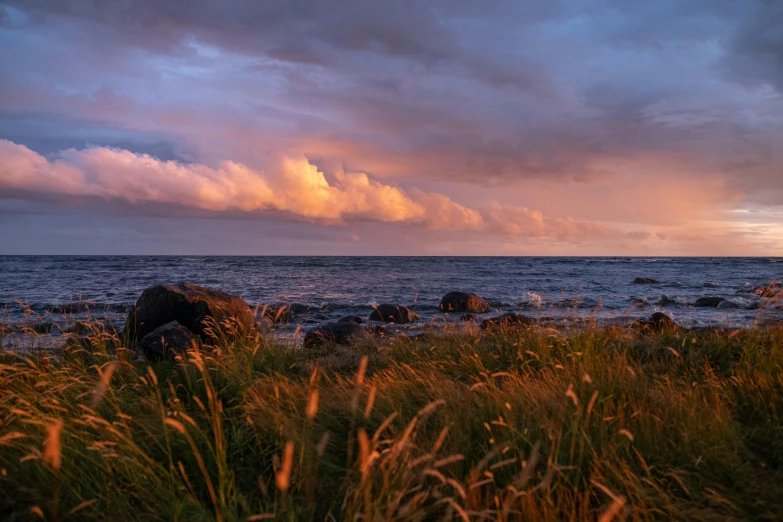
(167, 318)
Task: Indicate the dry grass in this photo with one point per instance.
(534, 424)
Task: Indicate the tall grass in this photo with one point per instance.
(531, 424)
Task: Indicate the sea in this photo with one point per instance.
(57, 291)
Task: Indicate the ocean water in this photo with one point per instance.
(40, 288)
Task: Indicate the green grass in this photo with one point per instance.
(532, 424)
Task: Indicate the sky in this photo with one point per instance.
(361, 127)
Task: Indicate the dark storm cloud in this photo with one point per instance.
(756, 48)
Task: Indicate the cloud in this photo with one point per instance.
(289, 184)
(521, 221)
(286, 184)
(620, 115)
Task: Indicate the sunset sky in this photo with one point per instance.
(565, 127)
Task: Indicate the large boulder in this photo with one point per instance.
(189, 305)
(167, 340)
(339, 333)
(709, 302)
(507, 320)
(464, 302)
(391, 313)
(645, 281)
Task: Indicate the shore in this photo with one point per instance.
(513, 422)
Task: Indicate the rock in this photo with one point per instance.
(339, 333)
(264, 324)
(355, 319)
(190, 305)
(657, 321)
(645, 281)
(467, 317)
(166, 340)
(277, 313)
(284, 312)
(464, 302)
(664, 300)
(770, 290)
(706, 302)
(661, 320)
(727, 304)
(507, 320)
(391, 313)
(299, 308)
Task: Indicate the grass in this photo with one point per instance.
(531, 424)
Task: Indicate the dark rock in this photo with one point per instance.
(40, 327)
(657, 321)
(770, 290)
(166, 340)
(708, 302)
(299, 308)
(391, 313)
(284, 312)
(355, 319)
(277, 313)
(190, 305)
(664, 300)
(507, 320)
(661, 320)
(339, 333)
(645, 281)
(464, 302)
(727, 304)
(264, 324)
(467, 317)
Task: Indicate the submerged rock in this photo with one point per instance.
(728, 304)
(167, 340)
(507, 320)
(277, 313)
(339, 333)
(464, 302)
(645, 281)
(284, 312)
(391, 313)
(351, 319)
(709, 302)
(190, 305)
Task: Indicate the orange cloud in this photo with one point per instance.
(291, 184)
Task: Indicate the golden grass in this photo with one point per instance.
(520, 424)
